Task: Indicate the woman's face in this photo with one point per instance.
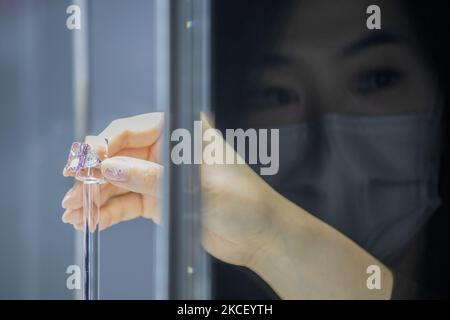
(325, 60)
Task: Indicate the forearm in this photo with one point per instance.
(308, 259)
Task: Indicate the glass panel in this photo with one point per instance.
(350, 95)
(122, 76)
(188, 266)
(58, 85)
(36, 132)
(326, 177)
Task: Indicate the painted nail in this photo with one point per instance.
(115, 170)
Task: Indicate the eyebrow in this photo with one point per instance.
(377, 38)
(373, 40)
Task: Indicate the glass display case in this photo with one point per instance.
(61, 84)
(257, 149)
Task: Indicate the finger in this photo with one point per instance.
(67, 173)
(133, 132)
(155, 152)
(73, 216)
(151, 153)
(68, 201)
(74, 197)
(76, 217)
(127, 207)
(118, 209)
(73, 201)
(133, 174)
(79, 226)
(140, 153)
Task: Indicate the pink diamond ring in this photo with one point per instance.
(82, 158)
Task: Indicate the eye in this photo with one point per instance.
(273, 97)
(376, 80)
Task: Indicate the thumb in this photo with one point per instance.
(133, 174)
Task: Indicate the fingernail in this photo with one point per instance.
(115, 170)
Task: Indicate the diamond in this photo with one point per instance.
(92, 159)
(81, 156)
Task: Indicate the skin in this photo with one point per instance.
(327, 65)
(298, 255)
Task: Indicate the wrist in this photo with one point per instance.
(273, 260)
(307, 259)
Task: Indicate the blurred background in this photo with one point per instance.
(37, 125)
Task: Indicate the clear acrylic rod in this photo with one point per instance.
(91, 241)
(85, 160)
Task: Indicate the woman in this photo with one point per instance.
(359, 114)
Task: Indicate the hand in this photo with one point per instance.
(245, 222)
(236, 217)
(133, 169)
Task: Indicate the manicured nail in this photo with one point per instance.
(115, 169)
